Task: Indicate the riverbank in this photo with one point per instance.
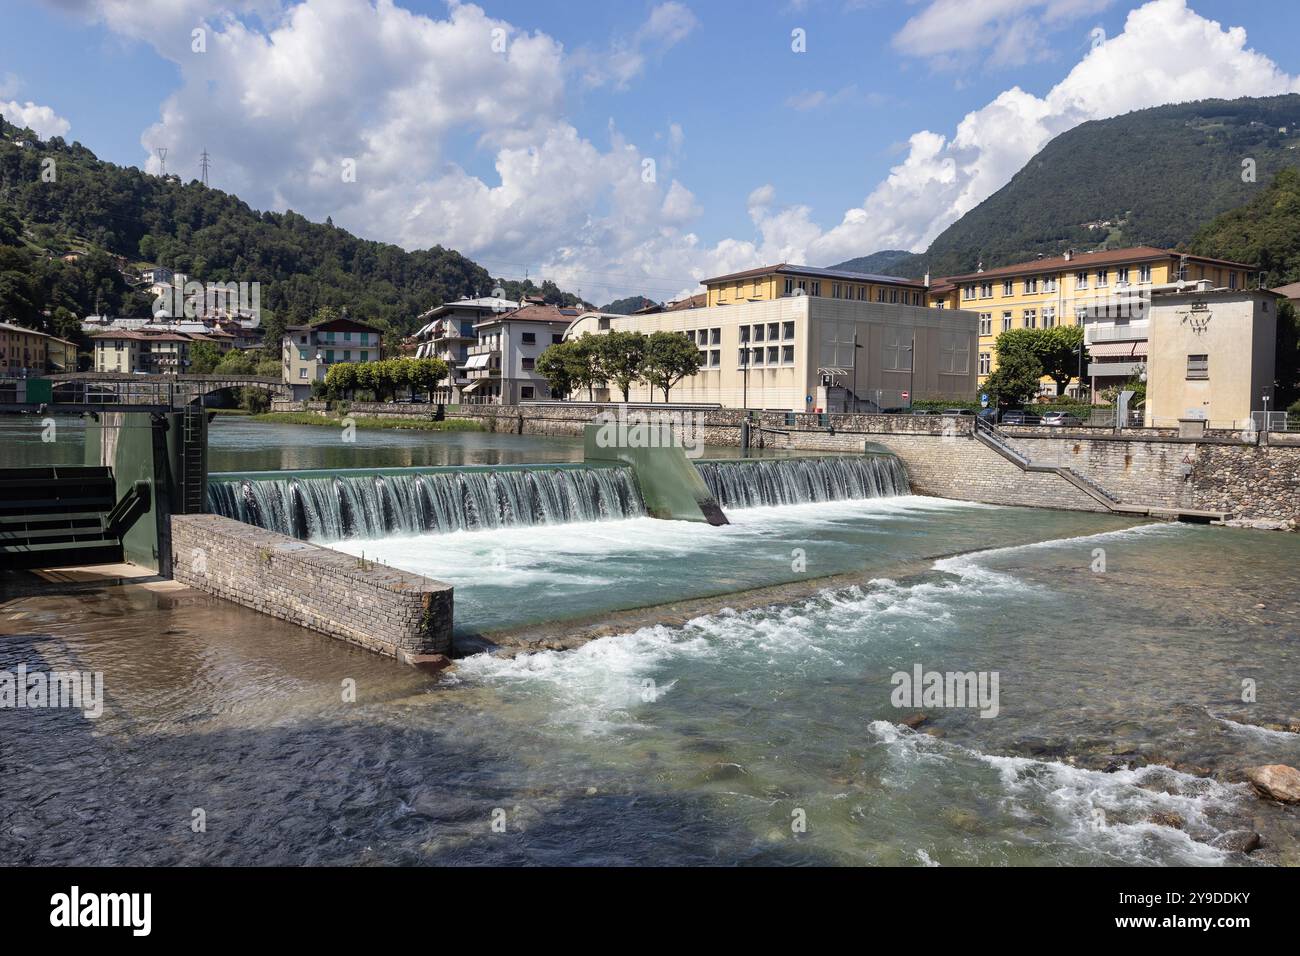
(329, 418)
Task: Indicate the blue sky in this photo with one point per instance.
(761, 152)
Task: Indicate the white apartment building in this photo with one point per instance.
(501, 366)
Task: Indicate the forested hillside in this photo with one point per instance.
(1153, 177)
(99, 210)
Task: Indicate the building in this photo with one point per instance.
(27, 353)
(307, 351)
(1107, 292)
(807, 351)
(447, 332)
(1212, 356)
(501, 366)
(779, 281)
(155, 352)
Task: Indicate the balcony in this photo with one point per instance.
(1115, 369)
(483, 349)
(1131, 332)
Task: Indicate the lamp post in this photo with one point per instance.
(856, 346)
(744, 364)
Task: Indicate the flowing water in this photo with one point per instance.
(746, 484)
(760, 733)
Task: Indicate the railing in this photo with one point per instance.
(1118, 333)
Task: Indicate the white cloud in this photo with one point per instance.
(667, 25)
(42, 120)
(1165, 54)
(281, 100)
(952, 33)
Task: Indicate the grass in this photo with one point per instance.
(414, 424)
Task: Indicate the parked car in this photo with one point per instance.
(957, 411)
(989, 415)
(1057, 419)
(1018, 416)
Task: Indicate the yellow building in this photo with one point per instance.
(27, 353)
(1112, 287)
(783, 279)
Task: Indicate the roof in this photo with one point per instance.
(1290, 291)
(533, 313)
(692, 302)
(785, 268)
(1085, 260)
(481, 304)
(334, 325)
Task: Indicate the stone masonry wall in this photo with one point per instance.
(392, 612)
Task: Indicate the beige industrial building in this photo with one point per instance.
(1212, 356)
(797, 352)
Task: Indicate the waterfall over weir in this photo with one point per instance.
(373, 505)
(789, 481)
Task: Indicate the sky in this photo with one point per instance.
(627, 146)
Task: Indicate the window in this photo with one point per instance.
(744, 333)
(715, 358)
(742, 357)
(526, 391)
(954, 353)
(787, 330)
(835, 290)
(893, 296)
(755, 356)
(816, 288)
(558, 337)
(1103, 278)
(758, 333)
(1121, 275)
(1049, 317)
(773, 351)
(329, 355)
(529, 338)
(986, 290)
(1081, 280)
(1006, 321)
(896, 353)
(772, 329)
(967, 292)
(787, 355)
(690, 336)
(986, 363)
(347, 355)
(1198, 366)
(1031, 318)
(365, 356)
(789, 286)
(1144, 273)
(986, 323)
(1008, 287)
(715, 336)
(880, 294)
(302, 373)
(529, 364)
(1031, 285)
(1232, 280)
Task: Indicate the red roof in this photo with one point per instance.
(1087, 260)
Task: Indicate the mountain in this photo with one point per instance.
(1265, 230)
(1153, 176)
(875, 264)
(629, 305)
(60, 200)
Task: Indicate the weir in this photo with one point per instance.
(331, 505)
(750, 483)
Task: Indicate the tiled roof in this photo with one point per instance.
(785, 268)
(1088, 260)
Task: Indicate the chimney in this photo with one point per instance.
(1069, 254)
(927, 278)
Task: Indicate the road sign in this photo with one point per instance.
(905, 396)
(984, 400)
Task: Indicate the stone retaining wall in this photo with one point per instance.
(382, 609)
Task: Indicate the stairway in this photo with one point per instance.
(64, 515)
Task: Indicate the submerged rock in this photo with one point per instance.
(1238, 841)
(913, 721)
(1167, 818)
(1276, 781)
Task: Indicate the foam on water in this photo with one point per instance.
(1105, 813)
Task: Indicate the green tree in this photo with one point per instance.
(204, 357)
(427, 373)
(341, 379)
(1015, 380)
(1056, 350)
(556, 364)
(621, 356)
(669, 358)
